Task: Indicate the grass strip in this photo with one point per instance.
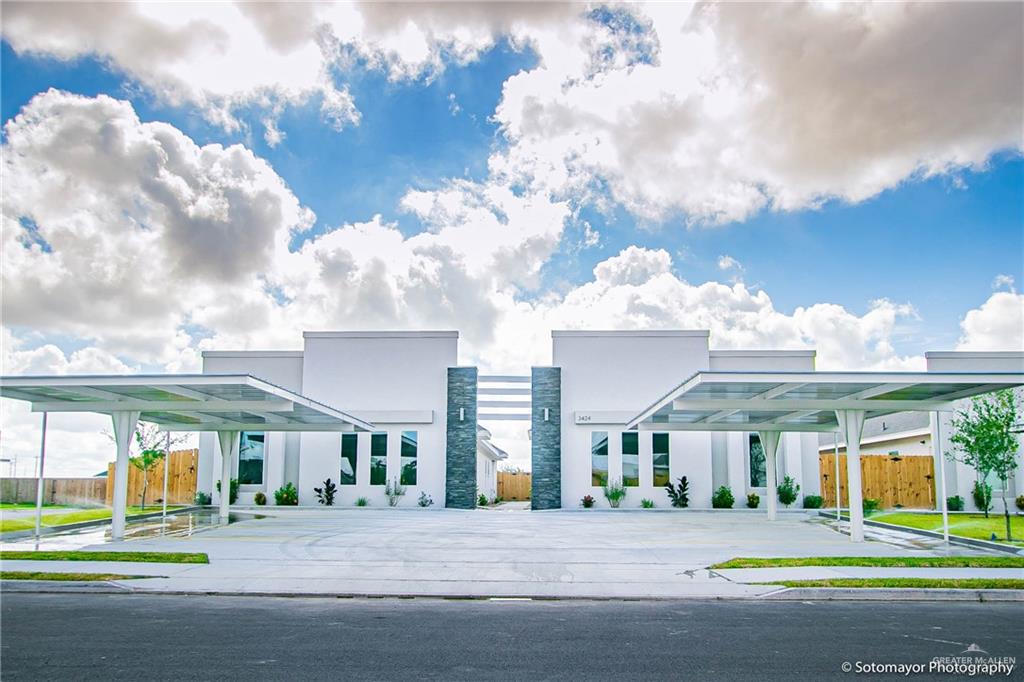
(945, 583)
(61, 519)
(146, 557)
(887, 562)
(39, 575)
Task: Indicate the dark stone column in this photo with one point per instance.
(460, 445)
(546, 444)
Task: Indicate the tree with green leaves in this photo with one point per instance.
(150, 443)
(984, 437)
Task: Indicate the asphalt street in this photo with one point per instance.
(142, 637)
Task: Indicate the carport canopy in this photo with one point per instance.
(225, 403)
(774, 402)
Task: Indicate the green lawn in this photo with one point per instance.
(149, 557)
(947, 583)
(60, 519)
(892, 562)
(37, 575)
(27, 505)
(965, 525)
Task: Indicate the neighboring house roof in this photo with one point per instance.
(894, 424)
(485, 447)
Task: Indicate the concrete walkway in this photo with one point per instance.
(626, 553)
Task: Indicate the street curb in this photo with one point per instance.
(892, 594)
(783, 594)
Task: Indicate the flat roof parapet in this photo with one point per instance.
(422, 334)
(630, 332)
(763, 353)
(252, 353)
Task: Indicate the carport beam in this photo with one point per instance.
(851, 422)
(124, 429)
(770, 445)
(228, 452)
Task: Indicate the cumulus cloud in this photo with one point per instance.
(997, 325)
(730, 108)
(727, 262)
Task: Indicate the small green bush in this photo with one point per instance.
(362, 502)
(955, 503)
(813, 501)
(723, 499)
(753, 501)
(286, 495)
(788, 491)
(587, 501)
(232, 490)
(481, 500)
(325, 495)
(260, 499)
(394, 491)
(202, 498)
(1020, 502)
(870, 505)
(615, 493)
(647, 504)
(425, 500)
(982, 494)
(679, 494)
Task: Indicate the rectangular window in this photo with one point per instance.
(378, 458)
(631, 459)
(758, 471)
(250, 458)
(409, 448)
(659, 447)
(599, 458)
(349, 448)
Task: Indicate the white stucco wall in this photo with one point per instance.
(959, 477)
(486, 475)
(281, 451)
(375, 375)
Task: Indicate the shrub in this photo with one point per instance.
(788, 491)
(679, 494)
(362, 502)
(1020, 502)
(202, 498)
(232, 490)
(394, 491)
(647, 504)
(870, 505)
(813, 501)
(982, 494)
(260, 499)
(587, 501)
(425, 500)
(325, 495)
(615, 493)
(286, 495)
(955, 503)
(723, 499)
(496, 500)
(481, 500)
(753, 500)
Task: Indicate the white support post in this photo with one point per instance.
(228, 453)
(770, 445)
(124, 429)
(940, 462)
(167, 457)
(852, 424)
(41, 481)
(835, 446)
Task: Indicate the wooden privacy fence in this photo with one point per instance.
(902, 481)
(514, 485)
(182, 475)
(78, 492)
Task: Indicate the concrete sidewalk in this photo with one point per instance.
(565, 554)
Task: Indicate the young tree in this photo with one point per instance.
(150, 443)
(984, 438)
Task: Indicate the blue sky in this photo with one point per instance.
(935, 242)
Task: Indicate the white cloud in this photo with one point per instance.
(727, 262)
(1004, 282)
(997, 325)
(730, 108)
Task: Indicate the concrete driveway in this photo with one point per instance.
(625, 553)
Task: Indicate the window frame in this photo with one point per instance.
(654, 459)
(374, 458)
(244, 436)
(402, 458)
(635, 437)
(349, 437)
(595, 437)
